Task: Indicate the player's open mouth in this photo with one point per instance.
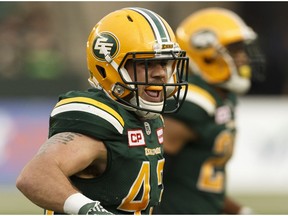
(154, 93)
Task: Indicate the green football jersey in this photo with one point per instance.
(132, 181)
(194, 180)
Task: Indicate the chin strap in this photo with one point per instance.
(147, 105)
(94, 83)
(237, 84)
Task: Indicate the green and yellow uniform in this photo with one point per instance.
(132, 181)
(194, 179)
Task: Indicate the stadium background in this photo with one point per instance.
(42, 54)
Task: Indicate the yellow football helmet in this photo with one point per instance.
(135, 34)
(206, 36)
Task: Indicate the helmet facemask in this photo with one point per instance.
(257, 61)
(238, 80)
(175, 65)
(242, 71)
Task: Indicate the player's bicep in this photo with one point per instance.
(72, 152)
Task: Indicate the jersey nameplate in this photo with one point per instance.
(136, 138)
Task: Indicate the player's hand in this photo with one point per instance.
(246, 211)
(93, 208)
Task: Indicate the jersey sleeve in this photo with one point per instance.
(84, 113)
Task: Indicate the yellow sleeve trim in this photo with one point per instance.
(202, 92)
(94, 103)
(202, 98)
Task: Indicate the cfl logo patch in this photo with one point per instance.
(136, 138)
(105, 43)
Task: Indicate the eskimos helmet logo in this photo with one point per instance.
(107, 41)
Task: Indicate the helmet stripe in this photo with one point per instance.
(158, 27)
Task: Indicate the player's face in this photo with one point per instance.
(156, 73)
(239, 54)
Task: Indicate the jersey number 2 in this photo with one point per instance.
(211, 179)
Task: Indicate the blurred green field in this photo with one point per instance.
(13, 202)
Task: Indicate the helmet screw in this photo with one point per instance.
(119, 90)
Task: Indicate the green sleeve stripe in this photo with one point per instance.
(94, 103)
(89, 109)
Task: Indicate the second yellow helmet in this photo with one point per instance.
(205, 36)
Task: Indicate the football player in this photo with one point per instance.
(104, 154)
(199, 139)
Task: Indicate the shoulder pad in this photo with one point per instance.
(202, 98)
(91, 106)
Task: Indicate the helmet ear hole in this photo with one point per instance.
(208, 60)
(101, 70)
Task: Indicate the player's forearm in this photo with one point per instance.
(50, 195)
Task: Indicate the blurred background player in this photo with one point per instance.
(104, 153)
(199, 139)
